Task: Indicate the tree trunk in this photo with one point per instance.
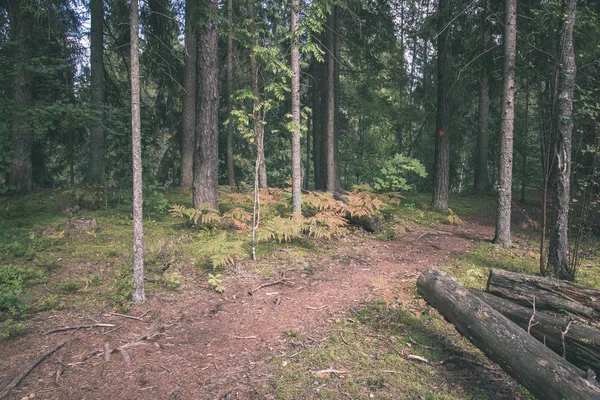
(581, 345)
(188, 123)
(259, 128)
(558, 260)
(329, 136)
(550, 294)
(206, 163)
(296, 151)
(96, 163)
(441, 185)
(503, 236)
(525, 146)
(230, 127)
(542, 372)
(482, 180)
(337, 53)
(21, 132)
(139, 296)
(317, 99)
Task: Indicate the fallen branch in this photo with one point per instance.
(245, 337)
(69, 328)
(13, 384)
(284, 281)
(126, 316)
(328, 372)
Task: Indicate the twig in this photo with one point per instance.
(270, 305)
(465, 359)
(391, 371)
(562, 339)
(273, 283)
(127, 316)
(245, 337)
(418, 358)
(531, 319)
(68, 328)
(328, 371)
(146, 313)
(112, 330)
(424, 346)
(166, 369)
(343, 339)
(316, 308)
(13, 384)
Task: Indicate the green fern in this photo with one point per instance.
(280, 229)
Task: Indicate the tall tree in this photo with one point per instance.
(296, 151)
(188, 123)
(329, 134)
(139, 296)
(317, 126)
(503, 236)
(96, 162)
(441, 187)
(482, 180)
(206, 163)
(230, 127)
(257, 115)
(21, 18)
(558, 260)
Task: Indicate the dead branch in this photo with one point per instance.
(532, 318)
(562, 339)
(69, 328)
(328, 371)
(13, 384)
(284, 281)
(245, 337)
(126, 316)
(418, 358)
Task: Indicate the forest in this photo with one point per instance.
(242, 198)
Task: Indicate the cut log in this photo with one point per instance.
(550, 294)
(541, 371)
(581, 344)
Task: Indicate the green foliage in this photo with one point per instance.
(11, 329)
(13, 284)
(396, 172)
(70, 286)
(216, 283)
(453, 219)
(51, 302)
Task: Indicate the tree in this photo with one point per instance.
(558, 260)
(296, 151)
(188, 122)
(441, 186)
(482, 180)
(503, 236)
(259, 128)
(21, 132)
(96, 162)
(139, 296)
(329, 134)
(206, 163)
(230, 127)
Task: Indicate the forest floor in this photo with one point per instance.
(340, 323)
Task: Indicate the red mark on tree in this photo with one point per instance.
(442, 133)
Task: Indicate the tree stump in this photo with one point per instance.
(80, 227)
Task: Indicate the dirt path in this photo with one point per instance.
(203, 345)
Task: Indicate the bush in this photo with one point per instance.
(13, 282)
(396, 173)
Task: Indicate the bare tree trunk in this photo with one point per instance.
(503, 236)
(188, 123)
(337, 53)
(482, 180)
(559, 240)
(330, 181)
(206, 163)
(139, 296)
(525, 147)
(230, 127)
(259, 128)
(21, 133)
(441, 186)
(296, 151)
(317, 99)
(96, 162)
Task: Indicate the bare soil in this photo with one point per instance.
(196, 344)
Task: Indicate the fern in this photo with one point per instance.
(206, 213)
(280, 229)
(221, 250)
(453, 219)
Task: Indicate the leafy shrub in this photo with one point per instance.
(13, 282)
(11, 329)
(396, 173)
(70, 286)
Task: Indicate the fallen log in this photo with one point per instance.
(370, 223)
(580, 345)
(550, 294)
(542, 372)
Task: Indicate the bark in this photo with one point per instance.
(329, 120)
(139, 296)
(482, 180)
(558, 260)
(525, 146)
(550, 294)
(337, 53)
(230, 127)
(503, 236)
(96, 163)
(206, 167)
(581, 345)
(21, 132)
(188, 123)
(441, 186)
(317, 69)
(542, 372)
(296, 151)
(259, 128)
